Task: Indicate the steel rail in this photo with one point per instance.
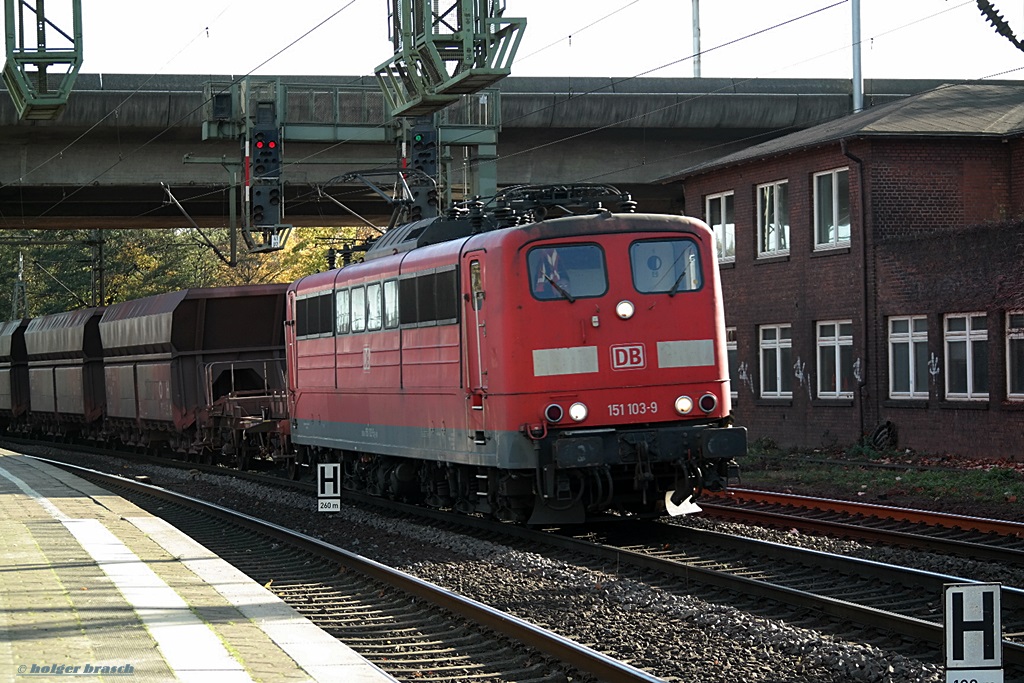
(552, 644)
(950, 546)
(911, 515)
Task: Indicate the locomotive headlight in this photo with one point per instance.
(684, 404)
(578, 412)
(625, 309)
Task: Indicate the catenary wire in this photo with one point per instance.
(567, 138)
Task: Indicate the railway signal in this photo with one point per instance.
(265, 190)
(424, 149)
(266, 152)
(265, 203)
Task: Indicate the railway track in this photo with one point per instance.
(412, 629)
(892, 607)
(973, 537)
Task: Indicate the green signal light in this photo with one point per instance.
(418, 137)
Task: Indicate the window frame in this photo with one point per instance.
(761, 190)
(968, 336)
(912, 338)
(726, 230)
(1014, 334)
(836, 242)
(779, 346)
(835, 344)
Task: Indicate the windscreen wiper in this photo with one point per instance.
(679, 281)
(560, 289)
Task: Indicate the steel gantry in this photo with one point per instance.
(446, 50)
(42, 58)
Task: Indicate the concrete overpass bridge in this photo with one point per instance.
(123, 138)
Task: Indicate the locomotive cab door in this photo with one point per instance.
(475, 318)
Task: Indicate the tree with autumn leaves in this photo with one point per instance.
(61, 269)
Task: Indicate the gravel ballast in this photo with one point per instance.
(677, 637)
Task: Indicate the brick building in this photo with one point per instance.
(873, 274)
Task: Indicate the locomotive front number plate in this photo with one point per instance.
(622, 409)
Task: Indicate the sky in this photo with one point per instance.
(944, 39)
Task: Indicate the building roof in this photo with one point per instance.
(955, 110)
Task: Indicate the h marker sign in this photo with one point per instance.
(974, 633)
(328, 486)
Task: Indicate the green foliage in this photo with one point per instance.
(62, 268)
(865, 450)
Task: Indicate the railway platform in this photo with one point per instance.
(91, 586)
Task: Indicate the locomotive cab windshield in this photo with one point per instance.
(665, 265)
(567, 271)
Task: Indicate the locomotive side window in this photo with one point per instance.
(302, 317)
(447, 293)
(342, 320)
(374, 310)
(476, 285)
(325, 317)
(567, 272)
(314, 315)
(665, 265)
(358, 309)
(391, 304)
(429, 298)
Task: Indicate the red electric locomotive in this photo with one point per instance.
(536, 368)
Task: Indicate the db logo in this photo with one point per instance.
(628, 357)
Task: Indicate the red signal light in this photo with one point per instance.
(259, 144)
(272, 144)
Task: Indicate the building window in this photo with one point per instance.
(908, 357)
(732, 356)
(967, 356)
(718, 209)
(835, 359)
(832, 209)
(1015, 355)
(773, 219)
(776, 361)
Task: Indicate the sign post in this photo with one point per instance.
(974, 634)
(328, 486)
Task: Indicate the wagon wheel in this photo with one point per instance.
(296, 464)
